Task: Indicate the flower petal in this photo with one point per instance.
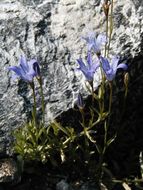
(89, 75)
(105, 63)
(95, 65)
(122, 66)
(101, 40)
(23, 63)
(34, 68)
(89, 60)
(90, 39)
(81, 64)
(16, 69)
(114, 63)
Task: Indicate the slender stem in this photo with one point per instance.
(84, 131)
(101, 155)
(111, 28)
(101, 101)
(124, 101)
(107, 18)
(99, 167)
(82, 115)
(110, 96)
(105, 136)
(42, 96)
(92, 91)
(34, 106)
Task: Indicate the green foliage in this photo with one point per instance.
(32, 142)
(41, 144)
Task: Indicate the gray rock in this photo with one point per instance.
(9, 171)
(63, 185)
(51, 30)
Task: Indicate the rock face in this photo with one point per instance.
(51, 30)
(8, 171)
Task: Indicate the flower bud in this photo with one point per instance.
(106, 5)
(80, 102)
(126, 79)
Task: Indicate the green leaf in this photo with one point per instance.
(89, 136)
(57, 125)
(111, 140)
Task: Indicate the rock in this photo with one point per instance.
(51, 30)
(63, 185)
(92, 186)
(9, 171)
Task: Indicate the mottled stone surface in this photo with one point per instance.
(51, 30)
(8, 171)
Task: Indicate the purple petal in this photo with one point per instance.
(90, 39)
(105, 63)
(89, 60)
(109, 72)
(101, 40)
(81, 64)
(18, 73)
(110, 77)
(122, 66)
(23, 63)
(90, 36)
(89, 75)
(16, 69)
(95, 65)
(114, 63)
(31, 72)
(34, 68)
(28, 77)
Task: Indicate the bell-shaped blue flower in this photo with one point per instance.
(110, 69)
(95, 43)
(26, 70)
(88, 69)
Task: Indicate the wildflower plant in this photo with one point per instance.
(30, 140)
(100, 113)
(81, 143)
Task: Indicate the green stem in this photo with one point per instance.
(105, 136)
(124, 101)
(101, 100)
(101, 155)
(99, 168)
(42, 96)
(85, 135)
(110, 96)
(34, 106)
(111, 28)
(106, 34)
(92, 91)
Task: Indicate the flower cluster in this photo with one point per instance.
(109, 68)
(94, 46)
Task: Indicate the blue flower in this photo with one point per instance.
(36, 68)
(26, 70)
(110, 69)
(80, 102)
(89, 69)
(95, 43)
